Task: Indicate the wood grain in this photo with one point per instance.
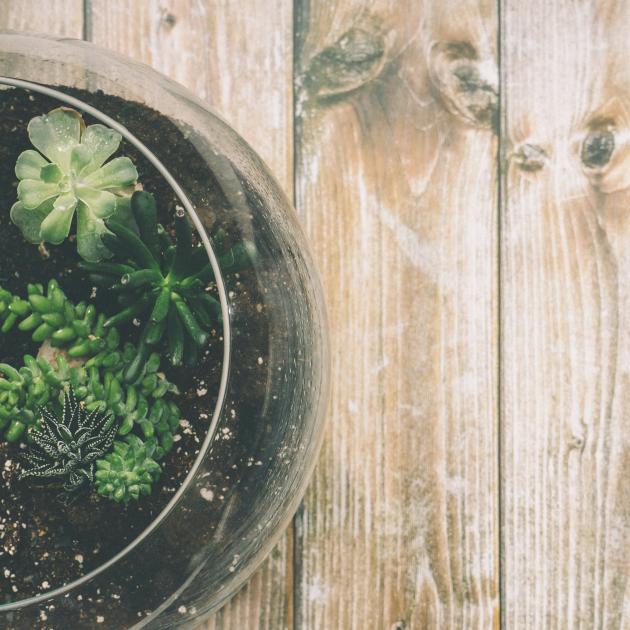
(396, 183)
(63, 18)
(565, 326)
(239, 61)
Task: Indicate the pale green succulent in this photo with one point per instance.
(69, 173)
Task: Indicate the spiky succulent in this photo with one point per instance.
(163, 281)
(129, 471)
(66, 446)
(69, 173)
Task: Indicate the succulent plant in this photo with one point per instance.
(66, 446)
(23, 392)
(139, 405)
(50, 316)
(162, 280)
(129, 471)
(69, 173)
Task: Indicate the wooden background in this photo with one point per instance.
(462, 168)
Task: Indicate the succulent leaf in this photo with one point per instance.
(55, 134)
(56, 226)
(69, 173)
(30, 220)
(29, 164)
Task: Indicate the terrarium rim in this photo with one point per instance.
(190, 210)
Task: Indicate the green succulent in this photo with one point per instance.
(139, 405)
(69, 173)
(24, 391)
(164, 281)
(50, 316)
(66, 446)
(129, 471)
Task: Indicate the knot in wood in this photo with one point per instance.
(353, 60)
(598, 147)
(530, 157)
(455, 70)
(168, 19)
(577, 442)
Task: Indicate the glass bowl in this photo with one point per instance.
(265, 408)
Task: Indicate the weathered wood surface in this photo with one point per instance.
(61, 17)
(396, 183)
(479, 422)
(565, 326)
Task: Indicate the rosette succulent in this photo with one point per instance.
(70, 174)
(129, 471)
(65, 447)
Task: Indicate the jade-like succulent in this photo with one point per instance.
(69, 173)
(139, 405)
(129, 471)
(50, 316)
(23, 392)
(164, 281)
(65, 447)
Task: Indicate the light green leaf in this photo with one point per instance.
(56, 226)
(33, 192)
(29, 164)
(89, 232)
(51, 174)
(102, 142)
(102, 204)
(29, 221)
(80, 157)
(118, 173)
(55, 134)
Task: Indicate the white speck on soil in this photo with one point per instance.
(206, 494)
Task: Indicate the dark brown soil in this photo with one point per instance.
(43, 544)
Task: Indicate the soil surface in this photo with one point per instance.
(44, 544)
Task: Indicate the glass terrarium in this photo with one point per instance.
(162, 346)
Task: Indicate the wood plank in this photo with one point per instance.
(565, 324)
(241, 63)
(396, 161)
(63, 18)
(238, 61)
